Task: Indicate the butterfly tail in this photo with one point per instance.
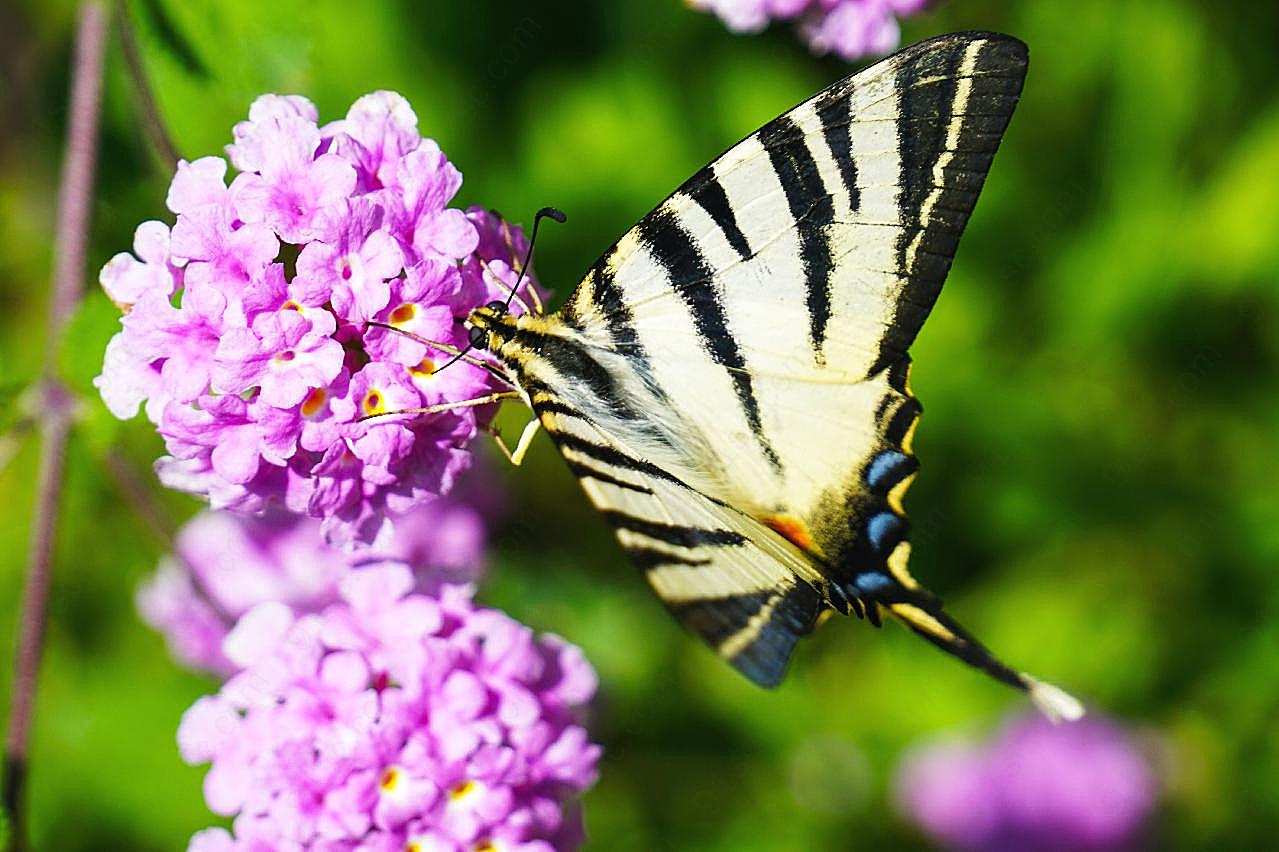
(923, 614)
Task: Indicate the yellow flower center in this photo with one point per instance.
(291, 305)
(403, 314)
(314, 402)
(462, 790)
(425, 367)
(373, 402)
(390, 779)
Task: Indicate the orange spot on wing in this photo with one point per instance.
(792, 529)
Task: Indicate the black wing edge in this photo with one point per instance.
(784, 616)
(928, 76)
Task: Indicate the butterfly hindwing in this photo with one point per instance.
(747, 592)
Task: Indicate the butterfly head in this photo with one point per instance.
(487, 321)
(484, 322)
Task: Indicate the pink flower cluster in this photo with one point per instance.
(849, 29)
(1043, 787)
(245, 330)
(224, 564)
(391, 721)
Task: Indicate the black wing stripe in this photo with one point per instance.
(567, 357)
(546, 403)
(680, 535)
(651, 557)
(617, 458)
(690, 275)
(835, 113)
(605, 293)
(813, 210)
(610, 456)
(756, 632)
(955, 103)
(719, 619)
(926, 114)
(705, 189)
(612, 304)
(585, 471)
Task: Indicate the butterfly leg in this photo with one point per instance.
(447, 406)
(516, 457)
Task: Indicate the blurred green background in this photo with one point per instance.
(1098, 498)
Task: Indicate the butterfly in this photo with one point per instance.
(730, 381)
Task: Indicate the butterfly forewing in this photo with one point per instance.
(773, 297)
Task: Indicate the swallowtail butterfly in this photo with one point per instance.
(730, 381)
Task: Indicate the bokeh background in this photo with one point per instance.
(1098, 497)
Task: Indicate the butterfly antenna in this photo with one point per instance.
(545, 213)
(474, 340)
(492, 369)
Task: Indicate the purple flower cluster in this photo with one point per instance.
(850, 29)
(1039, 787)
(391, 721)
(224, 564)
(245, 324)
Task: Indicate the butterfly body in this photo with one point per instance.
(730, 381)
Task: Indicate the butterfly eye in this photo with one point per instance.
(497, 307)
(478, 337)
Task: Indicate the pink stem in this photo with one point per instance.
(75, 198)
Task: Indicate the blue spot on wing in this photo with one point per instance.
(884, 531)
(886, 470)
(869, 583)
